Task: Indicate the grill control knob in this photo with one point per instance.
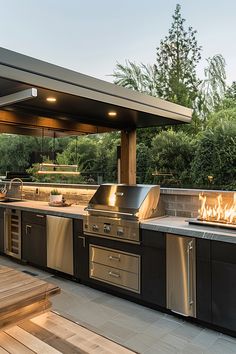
(120, 231)
(95, 227)
(107, 229)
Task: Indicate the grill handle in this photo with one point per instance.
(109, 211)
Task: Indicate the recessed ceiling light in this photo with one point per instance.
(112, 114)
(51, 99)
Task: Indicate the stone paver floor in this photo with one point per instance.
(138, 328)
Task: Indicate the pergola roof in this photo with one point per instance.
(82, 102)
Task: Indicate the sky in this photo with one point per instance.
(91, 36)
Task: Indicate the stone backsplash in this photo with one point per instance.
(177, 201)
(76, 195)
(185, 202)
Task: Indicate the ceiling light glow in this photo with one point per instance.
(112, 114)
(51, 99)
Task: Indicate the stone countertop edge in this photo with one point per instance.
(73, 211)
(179, 226)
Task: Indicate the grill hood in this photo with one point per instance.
(137, 201)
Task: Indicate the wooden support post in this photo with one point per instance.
(128, 157)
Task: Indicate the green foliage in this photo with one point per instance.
(55, 192)
(172, 153)
(231, 92)
(15, 152)
(95, 155)
(216, 153)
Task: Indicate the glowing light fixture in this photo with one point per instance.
(112, 114)
(51, 99)
(56, 169)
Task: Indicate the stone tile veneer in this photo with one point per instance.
(177, 201)
(185, 202)
(72, 193)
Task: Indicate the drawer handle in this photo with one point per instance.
(27, 229)
(112, 258)
(115, 275)
(83, 240)
(40, 216)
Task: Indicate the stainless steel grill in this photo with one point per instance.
(116, 210)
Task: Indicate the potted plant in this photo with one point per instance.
(55, 196)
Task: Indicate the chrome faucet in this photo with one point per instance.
(18, 180)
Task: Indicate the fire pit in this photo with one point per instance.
(219, 211)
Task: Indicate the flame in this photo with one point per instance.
(219, 212)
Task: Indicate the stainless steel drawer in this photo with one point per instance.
(114, 276)
(114, 258)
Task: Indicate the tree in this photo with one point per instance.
(177, 59)
(138, 77)
(213, 87)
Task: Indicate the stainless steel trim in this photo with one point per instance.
(114, 258)
(127, 269)
(114, 277)
(83, 240)
(109, 211)
(211, 223)
(190, 272)
(112, 227)
(12, 233)
(27, 227)
(60, 244)
(181, 274)
(112, 237)
(112, 274)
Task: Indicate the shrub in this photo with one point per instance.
(216, 154)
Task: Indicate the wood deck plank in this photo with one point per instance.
(3, 351)
(51, 333)
(31, 341)
(12, 346)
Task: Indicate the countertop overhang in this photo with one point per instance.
(179, 226)
(169, 224)
(73, 211)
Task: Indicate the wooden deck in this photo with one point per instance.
(50, 333)
(22, 296)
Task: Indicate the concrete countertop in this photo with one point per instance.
(179, 226)
(170, 224)
(73, 211)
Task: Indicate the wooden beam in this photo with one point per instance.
(31, 120)
(128, 157)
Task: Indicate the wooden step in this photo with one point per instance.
(22, 296)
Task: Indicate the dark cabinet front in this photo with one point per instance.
(34, 241)
(154, 267)
(80, 251)
(224, 284)
(203, 280)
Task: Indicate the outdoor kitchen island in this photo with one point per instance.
(214, 265)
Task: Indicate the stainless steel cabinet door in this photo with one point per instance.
(60, 244)
(181, 274)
